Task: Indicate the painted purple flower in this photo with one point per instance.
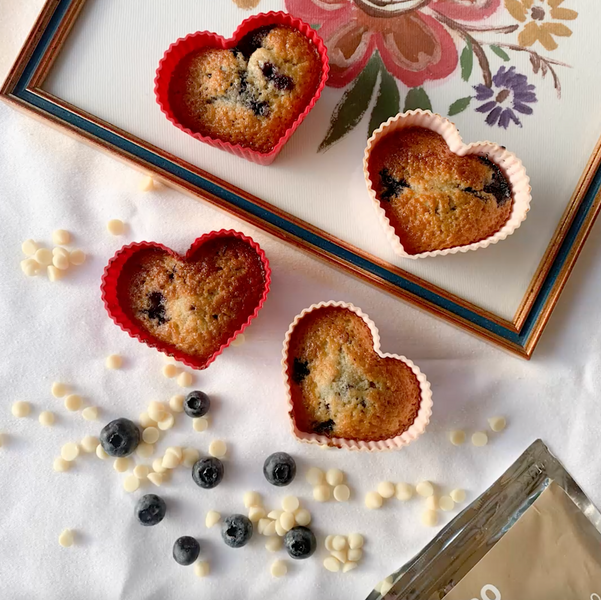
(510, 92)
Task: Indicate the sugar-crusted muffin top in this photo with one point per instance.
(194, 305)
(433, 198)
(249, 95)
(340, 387)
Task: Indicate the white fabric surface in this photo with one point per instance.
(60, 332)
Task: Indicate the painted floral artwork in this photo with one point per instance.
(392, 49)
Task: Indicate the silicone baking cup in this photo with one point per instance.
(509, 163)
(110, 296)
(417, 428)
(206, 39)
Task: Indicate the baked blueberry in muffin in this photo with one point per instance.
(433, 198)
(249, 95)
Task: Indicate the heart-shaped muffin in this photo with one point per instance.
(343, 391)
(188, 307)
(248, 94)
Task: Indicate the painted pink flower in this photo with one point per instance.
(413, 44)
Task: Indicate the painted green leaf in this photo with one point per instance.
(499, 52)
(353, 104)
(388, 102)
(459, 105)
(316, 26)
(467, 61)
(417, 98)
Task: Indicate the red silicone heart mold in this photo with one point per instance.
(116, 311)
(206, 39)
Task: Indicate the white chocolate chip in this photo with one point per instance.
(46, 418)
(156, 411)
(279, 568)
(349, 566)
(65, 539)
(385, 587)
(218, 448)
(54, 274)
(275, 514)
(131, 483)
(373, 500)
(29, 247)
(201, 568)
(424, 489)
(287, 521)
(446, 503)
(21, 409)
(90, 413)
(303, 517)
(70, 451)
(386, 489)
(339, 555)
(185, 379)
(332, 564)
(270, 528)
(151, 435)
(73, 402)
(322, 493)
(113, 361)
(61, 237)
(191, 456)
(432, 503)
(77, 257)
(200, 424)
(146, 184)
(256, 513)
(100, 453)
(144, 450)
(60, 465)
(252, 499)
(273, 544)
(177, 450)
(355, 555)
(156, 478)
(315, 476)
(334, 477)
(146, 421)
(176, 403)
(290, 503)
(479, 439)
(457, 437)
(157, 465)
(279, 529)
(115, 227)
(31, 267)
(89, 444)
(59, 250)
(238, 340)
(342, 492)
(169, 371)
(458, 496)
(170, 461)
(60, 261)
(121, 464)
(497, 423)
(212, 518)
(167, 422)
(43, 257)
(339, 543)
(404, 491)
(141, 471)
(430, 518)
(328, 542)
(58, 389)
(355, 541)
(262, 524)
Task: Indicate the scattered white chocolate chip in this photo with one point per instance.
(191, 456)
(262, 524)
(59, 250)
(252, 499)
(70, 451)
(46, 418)
(21, 409)
(185, 379)
(151, 435)
(479, 439)
(131, 483)
(458, 496)
(141, 471)
(287, 521)
(355, 555)
(65, 539)
(89, 444)
(212, 518)
(167, 422)
(169, 371)
(58, 389)
(457, 437)
(170, 461)
(355, 541)
(290, 503)
(176, 403)
(54, 274)
(279, 529)
(100, 453)
(60, 261)
(430, 518)
(432, 503)
(146, 184)
(342, 492)
(425, 489)
(73, 402)
(386, 489)
(339, 555)
(349, 566)
(256, 513)
(29, 247)
(497, 423)
(322, 493)
(273, 544)
(339, 542)
(270, 528)
(144, 450)
(238, 340)
(332, 564)
(43, 257)
(60, 465)
(404, 491)
(201, 568)
(31, 267)
(303, 517)
(446, 503)
(77, 257)
(177, 450)
(115, 227)
(275, 514)
(373, 500)
(279, 568)
(121, 464)
(156, 410)
(218, 448)
(113, 361)
(145, 421)
(200, 424)
(157, 465)
(61, 237)
(90, 413)
(334, 477)
(315, 476)
(328, 542)
(156, 478)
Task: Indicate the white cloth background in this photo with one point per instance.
(60, 332)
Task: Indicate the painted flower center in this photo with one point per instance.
(502, 96)
(538, 13)
(389, 8)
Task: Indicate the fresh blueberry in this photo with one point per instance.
(186, 550)
(236, 531)
(150, 510)
(300, 542)
(279, 469)
(197, 404)
(207, 472)
(120, 437)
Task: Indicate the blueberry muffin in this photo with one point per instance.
(340, 387)
(198, 304)
(433, 198)
(249, 95)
